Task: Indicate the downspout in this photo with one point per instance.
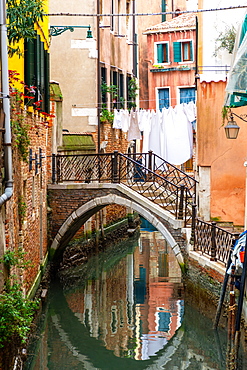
(6, 107)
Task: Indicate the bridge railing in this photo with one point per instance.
(172, 197)
(213, 241)
(145, 173)
(172, 173)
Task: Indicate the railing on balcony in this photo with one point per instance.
(213, 241)
(145, 173)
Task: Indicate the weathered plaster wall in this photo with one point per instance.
(225, 157)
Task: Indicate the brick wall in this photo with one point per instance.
(116, 138)
(25, 212)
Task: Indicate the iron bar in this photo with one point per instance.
(224, 286)
(213, 242)
(181, 203)
(53, 168)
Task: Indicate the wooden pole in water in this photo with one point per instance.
(232, 306)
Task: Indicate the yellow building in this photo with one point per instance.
(33, 64)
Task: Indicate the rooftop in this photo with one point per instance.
(181, 22)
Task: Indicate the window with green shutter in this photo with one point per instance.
(183, 51)
(36, 71)
(177, 52)
(162, 53)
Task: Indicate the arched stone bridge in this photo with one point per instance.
(72, 204)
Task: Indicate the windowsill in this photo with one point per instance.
(178, 69)
(186, 62)
(161, 65)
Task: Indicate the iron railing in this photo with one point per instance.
(146, 173)
(172, 173)
(213, 241)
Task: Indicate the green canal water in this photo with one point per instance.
(126, 309)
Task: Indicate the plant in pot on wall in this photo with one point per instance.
(107, 115)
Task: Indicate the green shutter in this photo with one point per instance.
(163, 7)
(160, 53)
(29, 61)
(177, 52)
(37, 64)
(47, 82)
(167, 53)
(191, 50)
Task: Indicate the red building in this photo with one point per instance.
(172, 54)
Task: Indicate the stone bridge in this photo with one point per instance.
(72, 204)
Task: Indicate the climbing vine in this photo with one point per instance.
(16, 311)
(132, 93)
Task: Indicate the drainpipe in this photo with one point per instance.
(6, 107)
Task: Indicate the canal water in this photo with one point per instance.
(125, 309)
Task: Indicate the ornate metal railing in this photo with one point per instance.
(146, 173)
(213, 241)
(172, 173)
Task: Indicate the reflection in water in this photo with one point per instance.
(125, 309)
(135, 306)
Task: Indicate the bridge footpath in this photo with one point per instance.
(160, 192)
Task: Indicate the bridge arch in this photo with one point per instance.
(88, 209)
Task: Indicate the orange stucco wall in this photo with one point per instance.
(225, 157)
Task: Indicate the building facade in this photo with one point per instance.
(24, 214)
(220, 162)
(172, 53)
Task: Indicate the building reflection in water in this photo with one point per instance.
(136, 305)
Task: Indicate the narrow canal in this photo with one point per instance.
(126, 309)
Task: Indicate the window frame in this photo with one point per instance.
(157, 96)
(182, 42)
(179, 88)
(156, 53)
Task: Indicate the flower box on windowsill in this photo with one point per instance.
(185, 68)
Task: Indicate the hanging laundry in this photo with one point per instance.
(178, 148)
(117, 120)
(146, 128)
(134, 131)
(125, 117)
(154, 136)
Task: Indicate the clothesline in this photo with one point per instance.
(168, 133)
(101, 105)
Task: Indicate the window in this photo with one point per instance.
(187, 94)
(162, 53)
(183, 51)
(121, 91)
(112, 16)
(104, 82)
(114, 95)
(36, 64)
(164, 98)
